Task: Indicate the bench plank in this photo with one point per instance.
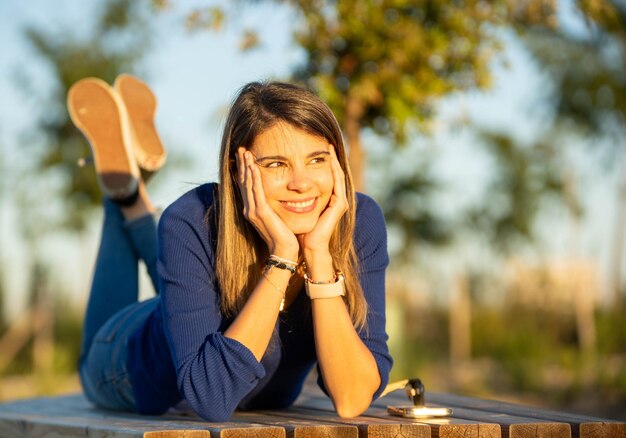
(582, 426)
(513, 426)
(312, 416)
(448, 427)
(368, 427)
(298, 427)
(74, 416)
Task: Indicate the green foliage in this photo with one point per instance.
(116, 43)
(2, 297)
(611, 332)
(524, 177)
(409, 205)
(68, 323)
(587, 68)
(519, 350)
(67, 332)
(392, 59)
(594, 92)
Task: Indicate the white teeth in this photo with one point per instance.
(300, 204)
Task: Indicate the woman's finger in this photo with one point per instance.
(339, 181)
(249, 204)
(257, 187)
(241, 165)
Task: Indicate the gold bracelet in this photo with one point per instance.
(282, 302)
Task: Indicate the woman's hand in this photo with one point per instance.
(318, 239)
(278, 237)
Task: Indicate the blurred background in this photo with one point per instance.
(490, 132)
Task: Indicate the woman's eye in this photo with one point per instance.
(274, 164)
(318, 160)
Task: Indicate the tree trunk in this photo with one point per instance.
(617, 253)
(16, 337)
(585, 311)
(585, 287)
(354, 113)
(460, 321)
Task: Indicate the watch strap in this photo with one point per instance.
(325, 290)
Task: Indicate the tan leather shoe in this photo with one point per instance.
(98, 112)
(141, 106)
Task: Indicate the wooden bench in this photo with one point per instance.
(311, 416)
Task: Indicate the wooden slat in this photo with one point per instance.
(74, 416)
(448, 427)
(583, 426)
(513, 426)
(367, 426)
(312, 416)
(300, 428)
(591, 429)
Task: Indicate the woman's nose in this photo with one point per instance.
(299, 180)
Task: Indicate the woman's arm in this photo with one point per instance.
(350, 371)
(348, 368)
(255, 324)
(214, 371)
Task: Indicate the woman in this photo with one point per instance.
(277, 268)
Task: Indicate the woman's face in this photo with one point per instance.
(295, 173)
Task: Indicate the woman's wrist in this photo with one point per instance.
(319, 265)
(286, 252)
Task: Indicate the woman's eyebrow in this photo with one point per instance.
(271, 157)
(315, 154)
(283, 158)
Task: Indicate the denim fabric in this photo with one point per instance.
(103, 371)
(113, 313)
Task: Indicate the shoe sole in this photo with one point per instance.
(97, 113)
(141, 106)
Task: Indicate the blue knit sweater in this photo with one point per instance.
(181, 352)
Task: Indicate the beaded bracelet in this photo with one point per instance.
(309, 280)
(325, 289)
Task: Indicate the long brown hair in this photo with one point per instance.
(241, 252)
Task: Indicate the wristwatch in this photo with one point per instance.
(316, 289)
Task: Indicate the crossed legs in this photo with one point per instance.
(118, 122)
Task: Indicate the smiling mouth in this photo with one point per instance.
(300, 206)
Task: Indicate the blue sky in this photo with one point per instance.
(194, 77)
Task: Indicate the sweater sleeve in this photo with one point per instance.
(214, 373)
(370, 240)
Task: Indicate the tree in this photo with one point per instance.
(117, 41)
(383, 64)
(590, 100)
(524, 177)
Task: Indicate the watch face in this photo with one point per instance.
(418, 411)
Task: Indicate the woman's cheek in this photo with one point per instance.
(269, 183)
(324, 179)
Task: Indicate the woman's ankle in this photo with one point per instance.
(141, 207)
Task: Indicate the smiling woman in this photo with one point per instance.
(297, 184)
(278, 267)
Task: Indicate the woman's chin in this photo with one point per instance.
(301, 228)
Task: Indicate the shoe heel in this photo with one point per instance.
(98, 114)
(141, 105)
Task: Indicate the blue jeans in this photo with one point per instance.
(113, 312)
